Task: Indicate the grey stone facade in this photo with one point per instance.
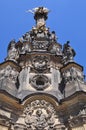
(41, 86)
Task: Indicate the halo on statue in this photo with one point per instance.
(39, 10)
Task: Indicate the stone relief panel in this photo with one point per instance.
(73, 74)
(41, 115)
(73, 81)
(8, 78)
(40, 45)
(40, 63)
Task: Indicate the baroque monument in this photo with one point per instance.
(41, 86)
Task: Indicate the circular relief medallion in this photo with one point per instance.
(40, 82)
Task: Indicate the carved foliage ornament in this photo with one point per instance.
(41, 115)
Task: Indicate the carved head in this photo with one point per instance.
(39, 112)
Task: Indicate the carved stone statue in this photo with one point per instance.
(25, 48)
(40, 15)
(53, 36)
(68, 53)
(12, 51)
(56, 50)
(40, 120)
(25, 38)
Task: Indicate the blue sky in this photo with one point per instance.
(67, 18)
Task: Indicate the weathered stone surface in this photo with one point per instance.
(8, 80)
(39, 115)
(40, 82)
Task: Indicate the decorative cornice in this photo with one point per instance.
(71, 64)
(77, 95)
(12, 63)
